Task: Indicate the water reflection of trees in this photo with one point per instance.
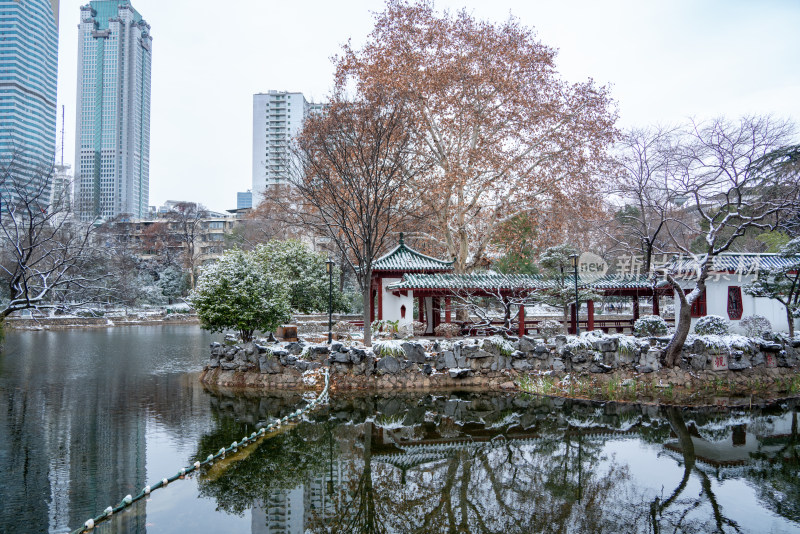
(500, 464)
(674, 511)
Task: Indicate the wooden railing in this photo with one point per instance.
(609, 326)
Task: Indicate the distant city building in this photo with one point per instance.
(278, 117)
(61, 189)
(244, 200)
(112, 140)
(28, 77)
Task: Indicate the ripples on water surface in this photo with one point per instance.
(90, 416)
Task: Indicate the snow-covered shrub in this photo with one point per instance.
(234, 293)
(305, 273)
(342, 327)
(755, 325)
(711, 325)
(391, 347)
(447, 330)
(650, 326)
(418, 327)
(386, 326)
(549, 329)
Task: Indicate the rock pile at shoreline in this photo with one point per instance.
(488, 362)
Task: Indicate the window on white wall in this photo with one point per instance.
(735, 307)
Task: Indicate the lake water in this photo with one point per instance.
(88, 416)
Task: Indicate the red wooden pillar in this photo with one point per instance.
(590, 315)
(421, 307)
(521, 320)
(447, 315)
(635, 308)
(371, 304)
(656, 311)
(437, 312)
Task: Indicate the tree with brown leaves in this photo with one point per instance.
(505, 134)
(356, 161)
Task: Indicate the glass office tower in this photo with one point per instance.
(28, 78)
(112, 139)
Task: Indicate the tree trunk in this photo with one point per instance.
(366, 295)
(566, 319)
(675, 346)
(791, 320)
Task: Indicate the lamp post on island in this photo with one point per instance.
(329, 267)
(574, 260)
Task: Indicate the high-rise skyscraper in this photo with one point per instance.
(28, 77)
(112, 139)
(278, 116)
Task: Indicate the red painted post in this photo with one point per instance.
(447, 316)
(656, 311)
(590, 315)
(521, 320)
(635, 308)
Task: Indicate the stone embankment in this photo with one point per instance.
(496, 362)
(61, 323)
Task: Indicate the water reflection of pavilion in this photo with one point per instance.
(725, 458)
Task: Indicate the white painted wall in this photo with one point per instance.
(717, 303)
(392, 304)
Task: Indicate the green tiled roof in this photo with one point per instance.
(736, 262)
(109, 9)
(403, 258)
(491, 280)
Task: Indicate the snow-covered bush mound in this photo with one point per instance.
(711, 325)
(755, 325)
(342, 327)
(418, 327)
(447, 330)
(391, 347)
(650, 326)
(549, 329)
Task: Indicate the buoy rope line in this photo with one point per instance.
(89, 525)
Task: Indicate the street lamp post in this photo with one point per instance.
(574, 259)
(329, 267)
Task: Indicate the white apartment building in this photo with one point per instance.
(278, 117)
(112, 140)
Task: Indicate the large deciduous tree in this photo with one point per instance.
(355, 161)
(738, 176)
(186, 225)
(506, 135)
(45, 253)
(644, 205)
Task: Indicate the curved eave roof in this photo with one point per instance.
(511, 282)
(736, 262)
(405, 259)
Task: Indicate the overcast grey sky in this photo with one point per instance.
(665, 61)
